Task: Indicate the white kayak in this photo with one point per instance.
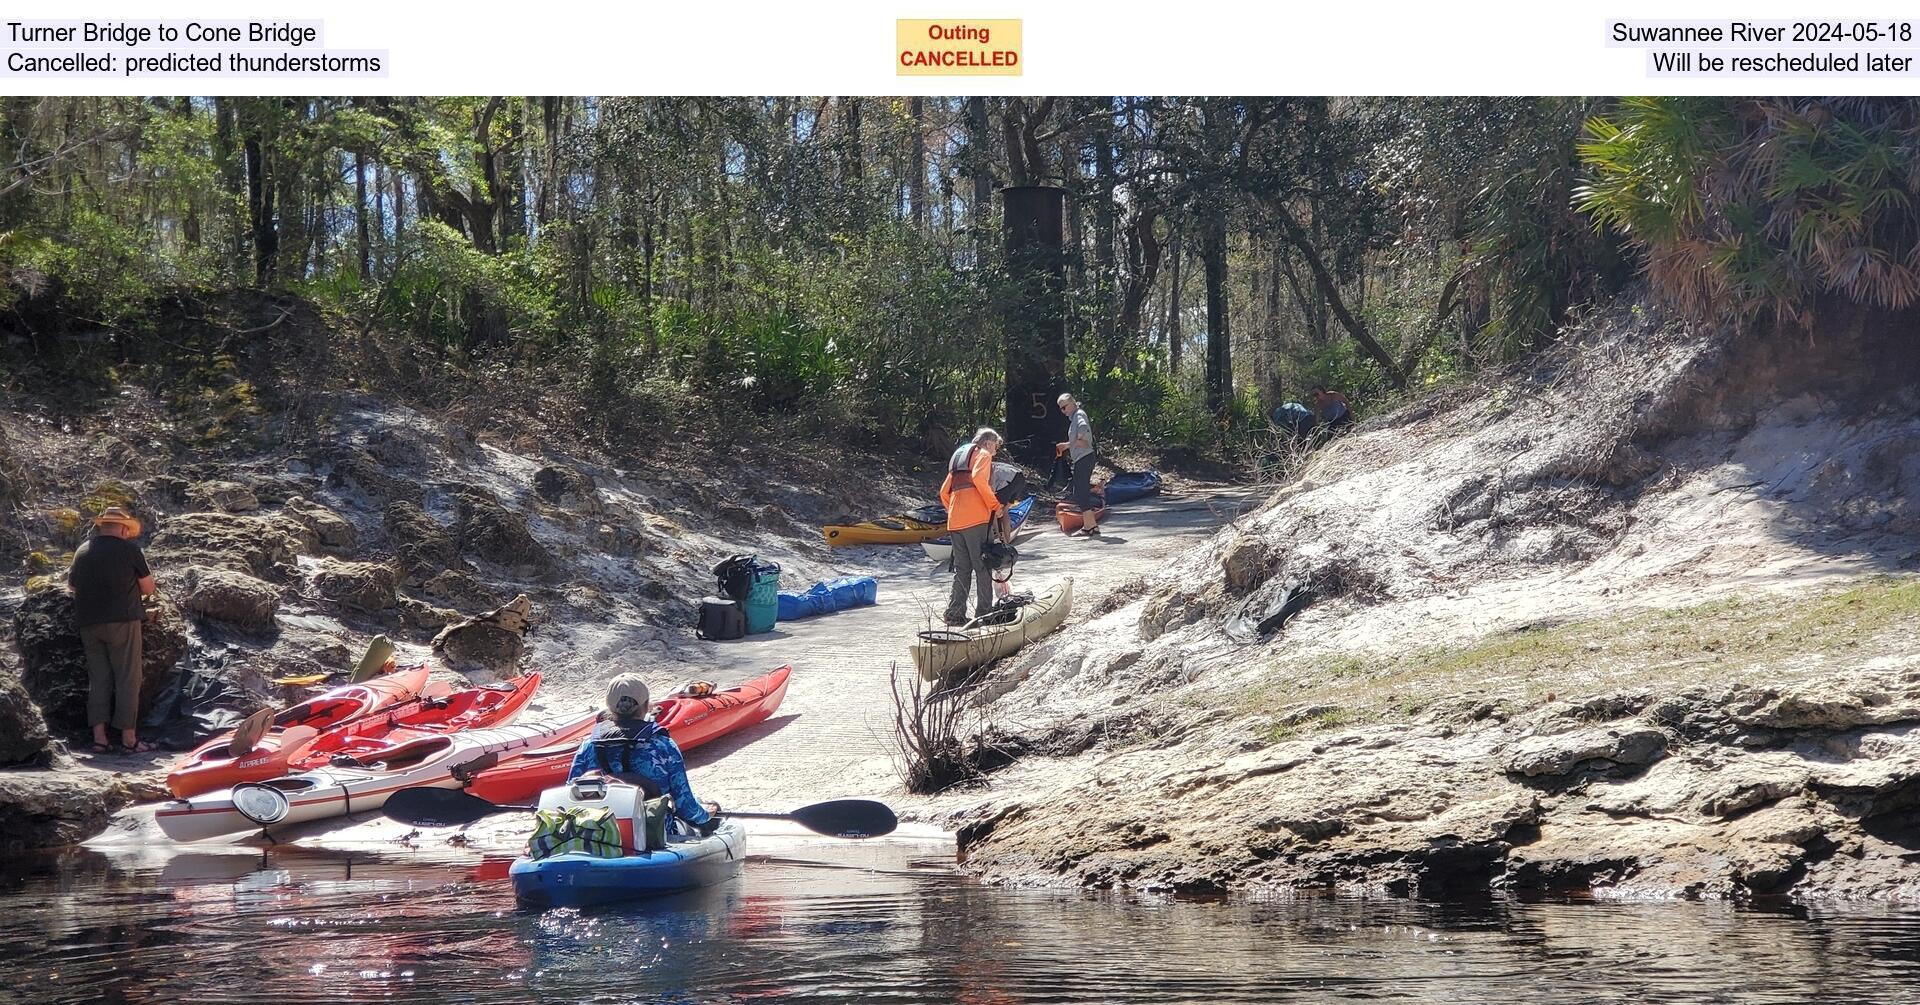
(339, 789)
(976, 644)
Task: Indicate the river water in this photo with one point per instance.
(290, 924)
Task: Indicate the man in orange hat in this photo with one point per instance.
(108, 578)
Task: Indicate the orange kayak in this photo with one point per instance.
(691, 719)
(366, 739)
(1070, 519)
(213, 764)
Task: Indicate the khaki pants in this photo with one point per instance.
(113, 673)
(970, 571)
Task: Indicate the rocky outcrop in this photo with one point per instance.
(357, 471)
(325, 528)
(53, 668)
(64, 805)
(422, 548)
(362, 586)
(229, 597)
(1824, 802)
(461, 590)
(23, 730)
(256, 546)
(491, 532)
(224, 497)
(567, 488)
(492, 642)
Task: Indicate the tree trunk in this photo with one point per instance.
(980, 166)
(1103, 176)
(1176, 339)
(1213, 254)
(917, 163)
(1331, 291)
(260, 189)
(851, 155)
(360, 215)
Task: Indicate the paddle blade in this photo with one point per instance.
(429, 807)
(847, 818)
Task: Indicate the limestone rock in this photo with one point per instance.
(422, 615)
(51, 809)
(1247, 563)
(363, 586)
(568, 488)
(358, 471)
(462, 590)
(234, 598)
(256, 546)
(23, 730)
(54, 669)
(329, 529)
(492, 642)
(1825, 704)
(224, 497)
(403, 447)
(495, 533)
(422, 547)
(1561, 753)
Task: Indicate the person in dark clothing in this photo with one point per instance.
(1332, 408)
(630, 747)
(108, 578)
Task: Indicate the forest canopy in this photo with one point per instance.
(841, 260)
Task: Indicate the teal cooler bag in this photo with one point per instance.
(763, 597)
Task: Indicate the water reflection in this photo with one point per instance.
(296, 925)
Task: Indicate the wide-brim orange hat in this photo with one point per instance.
(114, 514)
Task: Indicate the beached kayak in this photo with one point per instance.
(213, 765)
(1131, 485)
(923, 524)
(976, 644)
(1069, 515)
(941, 549)
(690, 719)
(368, 738)
(336, 790)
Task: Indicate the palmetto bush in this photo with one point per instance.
(1763, 208)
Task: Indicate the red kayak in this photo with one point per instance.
(690, 718)
(365, 739)
(213, 765)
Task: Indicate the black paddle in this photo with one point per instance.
(848, 818)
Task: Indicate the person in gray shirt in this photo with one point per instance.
(1079, 450)
(108, 578)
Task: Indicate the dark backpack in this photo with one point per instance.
(721, 619)
(735, 576)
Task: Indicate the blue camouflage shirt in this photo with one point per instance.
(641, 748)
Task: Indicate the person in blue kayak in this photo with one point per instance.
(629, 746)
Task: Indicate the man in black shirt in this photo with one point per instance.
(108, 578)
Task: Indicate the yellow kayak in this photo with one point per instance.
(923, 524)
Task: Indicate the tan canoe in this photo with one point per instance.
(987, 643)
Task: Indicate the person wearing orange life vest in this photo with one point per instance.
(972, 511)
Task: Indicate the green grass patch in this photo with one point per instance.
(1773, 635)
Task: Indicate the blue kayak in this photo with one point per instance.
(1132, 485)
(577, 879)
(941, 548)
